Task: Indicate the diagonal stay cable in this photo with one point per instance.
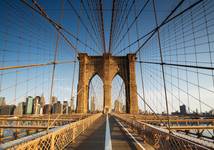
(156, 115)
(178, 65)
(41, 12)
(124, 22)
(93, 16)
(81, 20)
(118, 18)
(166, 20)
(130, 26)
(112, 24)
(102, 25)
(35, 65)
(58, 27)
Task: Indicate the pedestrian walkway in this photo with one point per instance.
(97, 137)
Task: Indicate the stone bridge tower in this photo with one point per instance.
(107, 67)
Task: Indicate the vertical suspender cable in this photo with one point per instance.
(112, 23)
(196, 58)
(102, 25)
(77, 42)
(138, 43)
(162, 66)
(54, 67)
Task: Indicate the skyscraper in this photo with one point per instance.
(7, 109)
(42, 101)
(117, 106)
(29, 105)
(183, 109)
(19, 109)
(47, 108)
(72, 104)
(2, 101)
(36, 105)
(57, 108)
(42, 104)
(53, 100)
(65, 107)
(92, 104)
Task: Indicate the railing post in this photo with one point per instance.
(83, 126)
(52, 141)
(1, 134)
(74, 133)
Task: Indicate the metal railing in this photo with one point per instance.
(56, 138)
(160, 138)
(25, 125)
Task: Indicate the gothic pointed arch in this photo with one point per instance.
(107, 66)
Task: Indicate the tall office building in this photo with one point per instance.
(7, 109)
(2, 101)
(72, 104)
(42, 101)
(92, 104)
(57, 108)
(69, 109)
(53, 100)
(47, 108)
(183, 109)
(117, 106)
(123, 108)
(19, 111)
(65, 107)
(36, 105)
(24, 107)
(29, 105)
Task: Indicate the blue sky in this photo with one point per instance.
(27, 38)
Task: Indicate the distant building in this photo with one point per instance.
(211, 112)
(92, 104)
(117, 106)
(47, 108)
(42, 101)
(2, 101)
(175, 113)
(19, 111)
(41, 110)
(69, 109)
(29, 105)
(36, 105)
(53, 100)
(24, 107)
(7, 109)
(72, 104)
(57, 108)
(183, 110)
(65, 107)
(124, 108)
(141, 111)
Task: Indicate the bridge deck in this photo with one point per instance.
(95, 137)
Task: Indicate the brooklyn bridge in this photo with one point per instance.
(107, 74)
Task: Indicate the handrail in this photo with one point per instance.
(160, 138)
(55, 138)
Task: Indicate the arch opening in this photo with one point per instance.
(102, 65)
(118, 94)
(95, 94)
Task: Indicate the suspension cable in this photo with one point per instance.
(162, 66)
(41, 11)
(164, 22)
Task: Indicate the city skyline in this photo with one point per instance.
(107, 74)
(189, 86)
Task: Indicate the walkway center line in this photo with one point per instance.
(108, 145)
(130, 135)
